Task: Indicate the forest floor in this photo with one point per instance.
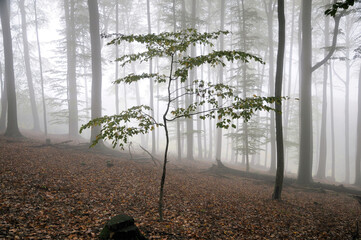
(59, 192)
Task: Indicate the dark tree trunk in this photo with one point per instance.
(278, 92)
(29, 77)
(165, 121)
(12, 129)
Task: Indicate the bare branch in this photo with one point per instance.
(334, 42)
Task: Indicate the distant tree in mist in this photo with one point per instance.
(248, 139)
(358, 135)
(321, 170)
(28, 70)
(41, 70)
(69, 15)
(306, 132)
(96, 102)
(270, 7)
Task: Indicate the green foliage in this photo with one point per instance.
(339, 5)
(115, 127)
(174, 46)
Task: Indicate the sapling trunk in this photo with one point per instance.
(161, 192)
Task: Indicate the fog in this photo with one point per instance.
(66, 53)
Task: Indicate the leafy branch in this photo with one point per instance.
(173, 46)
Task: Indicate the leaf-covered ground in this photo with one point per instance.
(48, 192)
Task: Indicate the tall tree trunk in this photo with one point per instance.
(306, 136)
(12, 129)
(4, 102)
(71, 68)
(245, 156)
(287, 110)
(347, 97)
(210, 150)
(184, 125)
(358, 141)
(270, 5)
(333, 145)
(116, 56)
(96, 101)
(85, 79)
(151, 87)
(209, 79)
(221, 48)
(278, 93)
(178, 126)
(29, 77)
(321, 172)
(41, 72)
(189, 99)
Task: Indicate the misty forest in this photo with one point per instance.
(180, 119)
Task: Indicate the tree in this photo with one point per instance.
(278, 92)
(286, 112)
(41, 71)
(69, 7)
(358, 140)
(34, 110)
(219, 135)
(189, 98)
(151, 88)
(168, 45)
(12, 129)
(306, 136)
(96, 101)
(116, 56)
(270, 8)
(4, 103)
(321, 171)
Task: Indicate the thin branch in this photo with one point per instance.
(194, 113)
(153, 158)
(154, 121)
(338, 76)
(182, 95)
